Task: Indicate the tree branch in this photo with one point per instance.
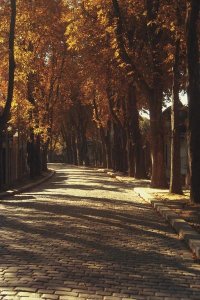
(138, 78)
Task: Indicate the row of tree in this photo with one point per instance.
(85, 69)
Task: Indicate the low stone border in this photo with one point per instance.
(184, 230)
(27, 186)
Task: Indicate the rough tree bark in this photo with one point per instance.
(105, 138)
(44, 156)
(33, 144)
(134, 134)
(158, 177)
(193, 90)
(119, 156)
(175, 176)
(118, 149)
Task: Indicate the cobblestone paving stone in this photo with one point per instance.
(83, 235)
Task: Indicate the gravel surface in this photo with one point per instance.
(85, 235)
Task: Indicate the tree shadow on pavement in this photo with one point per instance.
(94, 246)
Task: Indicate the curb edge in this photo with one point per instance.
(27, 186)
(181, 227)
(184, 230)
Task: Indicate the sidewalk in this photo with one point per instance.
(183, 216)
(27, 184)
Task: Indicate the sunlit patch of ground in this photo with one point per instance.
(169, 196)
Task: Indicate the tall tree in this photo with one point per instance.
(5, 114)
(175, 176)
(153, 90)
(193, 90)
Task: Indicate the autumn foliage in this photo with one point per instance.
(84, 72)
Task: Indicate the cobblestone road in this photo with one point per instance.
(83, 235)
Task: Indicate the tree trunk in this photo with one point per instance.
(11, 73)
(78, 149)
(34, 155)
(155, 97)
(70, 151)
(84, 149)
(193, 90)
(117, 152)
(74, 152)
(4, 117)
(108, 153)
(120, 138)
(38, 165)
(135, 134)
(104, 139)
(130, 157)
(31, 155)
(1, 162)
(108, 146)
(175, 176)
(158, 176)
(44, 156)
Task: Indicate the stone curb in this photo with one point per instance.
(27, 186)
(184, 230)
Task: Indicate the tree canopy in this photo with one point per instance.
(84, 70)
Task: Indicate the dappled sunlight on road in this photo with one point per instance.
(87, 236)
